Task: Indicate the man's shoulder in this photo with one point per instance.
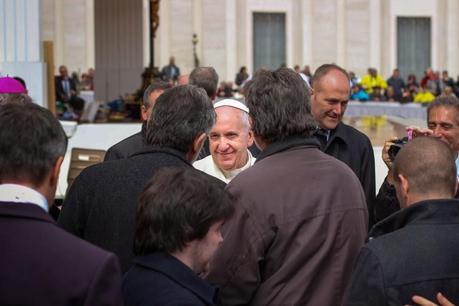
(289, 161)
(353, 135)
(175, 288)
(64, 247)
(74, 247)
(126, 147)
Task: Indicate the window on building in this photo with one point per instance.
(413, 45)
(269, 42)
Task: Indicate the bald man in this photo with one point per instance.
(229, 141)
(415, 250)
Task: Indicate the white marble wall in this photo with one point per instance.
(354, 33)
(69, 24)
(20, 45)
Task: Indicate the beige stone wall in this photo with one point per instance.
(354, 33)
(70, 25)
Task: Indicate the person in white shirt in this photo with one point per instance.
(229, 141)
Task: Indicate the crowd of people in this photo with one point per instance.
(271, 199)
(370, 87)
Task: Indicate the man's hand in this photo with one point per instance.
(385, 152)
(442, 301)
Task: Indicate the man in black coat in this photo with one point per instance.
(136, 142)
(330, 96)
(40, 263)
(101, 204)
(414, 251)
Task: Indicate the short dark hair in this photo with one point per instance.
(177, 206)
(156, 85)
(428, 164)
(31, 140)
(205, 77)
(279, 104)
(324, 70)
(181, 114)
(447, 102)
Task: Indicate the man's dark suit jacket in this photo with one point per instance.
(60, 92)
(161, 279)
(128, 146)
(74, 101)
(354, 149)
(42, 264)
(102, 202)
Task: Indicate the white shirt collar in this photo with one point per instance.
(22, 194)
(229, 175)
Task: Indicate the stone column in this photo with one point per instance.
(306, 11)
(452, 32)
(341, 30)
(375, 34)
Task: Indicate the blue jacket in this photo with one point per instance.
(161, 279)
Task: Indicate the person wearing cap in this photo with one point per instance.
(10, 86)
(229, 141)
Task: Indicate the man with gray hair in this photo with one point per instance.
(136, 142)
(229, 141)
(101, 204)
(206, 78)
(37, 255)
(300, 217)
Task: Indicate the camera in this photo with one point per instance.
(398, 144)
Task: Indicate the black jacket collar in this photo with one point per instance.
(340, 132)
(163, 150)
(286, 144)
(180, 273)
(430, 211)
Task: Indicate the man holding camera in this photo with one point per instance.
(442, 123)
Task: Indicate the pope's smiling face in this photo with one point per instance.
(230, 137)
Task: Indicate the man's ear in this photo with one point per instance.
(250, 139)
(54, 176)
(48, 186)
(404, 184)
(143, 113)
(196, 147)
